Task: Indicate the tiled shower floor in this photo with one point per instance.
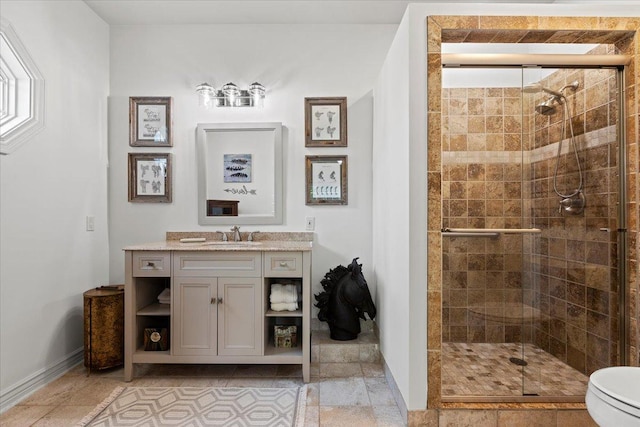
(484, 369)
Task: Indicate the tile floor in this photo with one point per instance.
(361, 398)
(347, 388)
(481, 369)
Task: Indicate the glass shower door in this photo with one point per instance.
(570, 133)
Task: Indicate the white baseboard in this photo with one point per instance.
(402, 406)
(17, 392)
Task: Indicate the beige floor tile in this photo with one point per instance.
(344, 392)
(527, 418)
(372, 369)
(342, 353)
(379, 392)
(58, 391)
(340, 370)
(94, 393)
(312, 416)
(575, 418)
(21, 416)
(313, 395)
(465, 417)
(64, 416)
(340, 394)
(341, 416)
(387, 416)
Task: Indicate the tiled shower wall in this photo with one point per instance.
(575, 257)
(482, 188)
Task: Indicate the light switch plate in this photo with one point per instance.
(310, 223)
(91, 223)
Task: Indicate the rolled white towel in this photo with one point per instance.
(165, 296)
(284, 306)
(283, 293)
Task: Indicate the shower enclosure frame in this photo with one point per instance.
(617, 62)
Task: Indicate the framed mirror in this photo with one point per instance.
(239, 173)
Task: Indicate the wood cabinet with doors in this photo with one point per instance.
(219, 311)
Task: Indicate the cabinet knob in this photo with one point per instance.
(219, 300)
(283, 263)
(213, 300)
(151, 264)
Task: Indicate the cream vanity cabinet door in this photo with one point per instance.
(217, 316)
(240, 316)
(195, 312)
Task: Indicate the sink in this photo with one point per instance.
(236, 244)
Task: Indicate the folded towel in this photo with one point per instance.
(284, 306)
(283, 293)
(165, 296)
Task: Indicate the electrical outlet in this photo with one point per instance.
(91, 223)
(311, 223)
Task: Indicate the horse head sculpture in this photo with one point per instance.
(344, 301)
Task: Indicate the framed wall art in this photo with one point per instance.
(326, 182)
(325, 122)
(150, 177)
(150, 122)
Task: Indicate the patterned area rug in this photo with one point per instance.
(199, 406)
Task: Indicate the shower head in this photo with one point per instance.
(546, 108)
(537, 87)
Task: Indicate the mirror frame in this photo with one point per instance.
(202, 132)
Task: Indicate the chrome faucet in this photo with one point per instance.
(236, 233)
(224, 236)
(251, 233)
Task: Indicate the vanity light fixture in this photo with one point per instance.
(231, 96)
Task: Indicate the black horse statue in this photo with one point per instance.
(344, 301)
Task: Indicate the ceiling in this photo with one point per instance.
(123, 12)
(127, 12)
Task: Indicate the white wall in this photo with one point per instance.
(399, 220)
(292, 61)
(402, 335)
(48, 186)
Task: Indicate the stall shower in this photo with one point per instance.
(530, 197)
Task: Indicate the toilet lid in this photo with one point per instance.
(620, 382)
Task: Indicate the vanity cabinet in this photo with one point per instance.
(220, 308)
(217, 316)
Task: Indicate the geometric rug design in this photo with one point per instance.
(200, 406)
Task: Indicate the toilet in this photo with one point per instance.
(613, 396)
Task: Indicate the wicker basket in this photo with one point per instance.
(104, 327)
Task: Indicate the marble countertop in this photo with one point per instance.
(267, 242)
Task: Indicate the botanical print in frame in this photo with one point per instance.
(325, 122)
(150, 122)
(237, 167)
(150, 177)
(326, 180)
